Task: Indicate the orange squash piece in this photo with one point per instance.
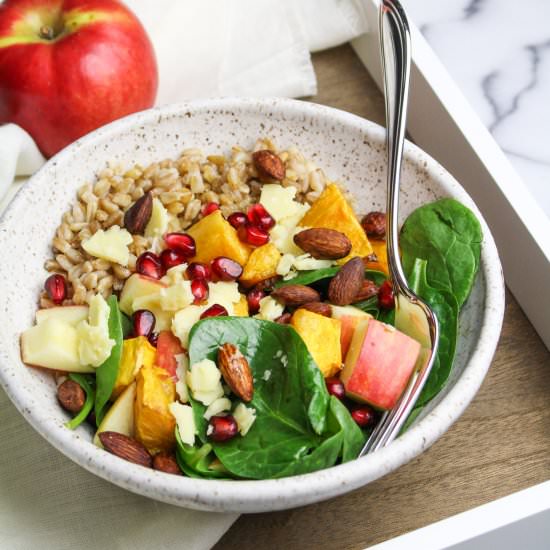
(215, 236)
(241, 307)
(154, 423)
(332, 211)
(136, 353)
(322, 338)
(381, 263)
(261, 265)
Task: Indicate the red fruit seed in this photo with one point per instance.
(143, 322)
(199, 288)
(222, 428)
(237, 219)
(197, 270)
(385, 296)
(171, 258)
(226, 269)
(182, 243)
(258, 215)
(253, 298)
(335, 387)
(214, 311)
(56, 288)
(253, 234)
(209, 208)
(364, 416)
(149, 264)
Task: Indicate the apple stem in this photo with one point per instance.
(46, 32)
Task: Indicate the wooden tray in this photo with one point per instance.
(499, 446)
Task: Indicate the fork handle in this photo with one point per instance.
(395, 46)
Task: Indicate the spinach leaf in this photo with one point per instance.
(310, 277)
(370, 305)
(298, 428)
(87, 383)
(127, 327)
(107, 372)
(446, 309)
(196, 461)
(448, 236)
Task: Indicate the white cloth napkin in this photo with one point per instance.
(204, 48)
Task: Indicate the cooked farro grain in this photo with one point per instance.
(183, 185)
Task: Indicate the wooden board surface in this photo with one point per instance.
(500, 445)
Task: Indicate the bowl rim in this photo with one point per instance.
(277, 494)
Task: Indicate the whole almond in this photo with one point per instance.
(137, 216)
(295, 295)
(125, 447)
(318, 307)
(71, 396)
(323, 243)
(236, 371)
(164, 462)
(374, 224)
(347, 283)
(269, 165)
(368, 290)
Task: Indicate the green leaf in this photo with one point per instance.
(107, 372)
(448, 236)
(87, 383)
(127, 327)
(446, 309)
(197, 461)
(291, 433)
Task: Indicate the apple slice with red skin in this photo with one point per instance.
(379, 364)
(168, 346)
(349, 317)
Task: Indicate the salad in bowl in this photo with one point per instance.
(231, 317)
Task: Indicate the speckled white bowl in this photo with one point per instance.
(349, 149)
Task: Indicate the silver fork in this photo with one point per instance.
(412, 315)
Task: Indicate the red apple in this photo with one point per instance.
(70, 66)
(379, 363)
(168, 346)
(349, 317)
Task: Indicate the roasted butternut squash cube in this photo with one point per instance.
(322, 338)
(241, 307)
(136, 353)
(381, 263)
(215, 236)
(154, 423)
(332, 211)
(262, 264)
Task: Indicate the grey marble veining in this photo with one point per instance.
(498, 52)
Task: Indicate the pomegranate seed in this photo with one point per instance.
(253, 234)
(153, 338)
(258, 215)
(214, 311)
(364, 416)
(226, 269)
(197, 270)
(171, 258)
(182, 243)
(56, 288)
(335, 387)
(253, 298)
(222, 428)
(149, 264)
(385, 296)
(143, 322)
(199, 288)
(237, 219)
(209, 208)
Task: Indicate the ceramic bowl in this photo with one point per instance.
(349, 149)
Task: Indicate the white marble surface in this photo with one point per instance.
(498, 52)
